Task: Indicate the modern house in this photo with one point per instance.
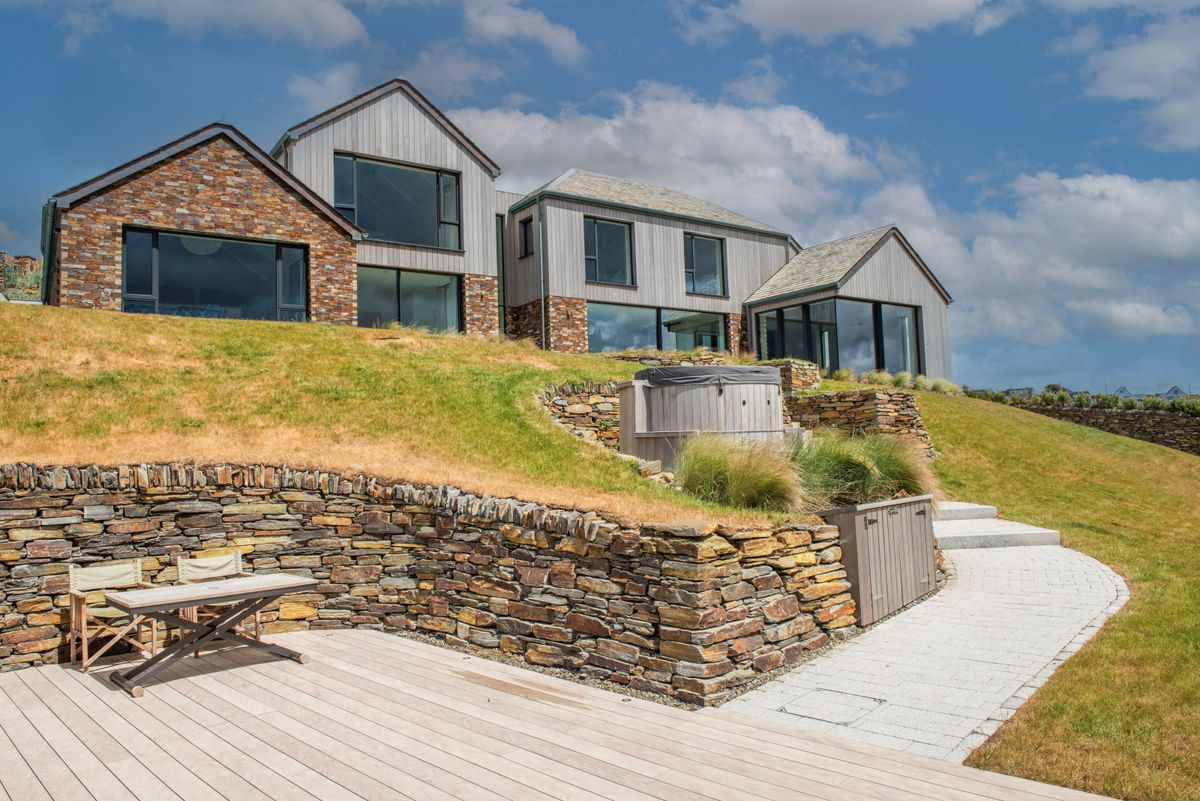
(380, 210)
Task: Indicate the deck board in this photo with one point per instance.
(375, 716)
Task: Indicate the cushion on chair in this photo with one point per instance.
(199, 568)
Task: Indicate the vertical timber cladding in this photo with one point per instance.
(889, 553)
(688, 611)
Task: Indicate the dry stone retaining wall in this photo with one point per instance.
(689, 611)
(868, 411)
(1171, 429)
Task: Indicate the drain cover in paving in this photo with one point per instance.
(832, 706)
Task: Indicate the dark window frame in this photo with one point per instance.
(525, 237)
(438, 172)
(689, 276)
(877, 323)
(458, 294)
(658, 319)
(280, 306)
(633, 284)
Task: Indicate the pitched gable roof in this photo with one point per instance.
(830, 265)
(376, 94)
(590, 186)
(75, 194)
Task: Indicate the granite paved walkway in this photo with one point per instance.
(937, 679)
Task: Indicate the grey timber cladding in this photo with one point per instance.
(395, 127)
(750, 258)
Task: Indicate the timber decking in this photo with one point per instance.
(374, 715)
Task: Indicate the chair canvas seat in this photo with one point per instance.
(92, 618)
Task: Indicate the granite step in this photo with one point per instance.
(961, 510)
(990, 533)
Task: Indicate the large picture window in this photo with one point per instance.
(704, 264)
(608, 251)
(397, 202)
(427, 300)
(843, 333)
(614, 327)
(208, 276)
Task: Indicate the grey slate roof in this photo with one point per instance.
(819, 266)
(586, 185)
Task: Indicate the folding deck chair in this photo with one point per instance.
(91, 618)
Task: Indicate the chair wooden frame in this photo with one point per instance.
(194, 613)
(86, 627)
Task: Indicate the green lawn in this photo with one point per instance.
(1122, 717)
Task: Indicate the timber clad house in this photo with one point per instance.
(380, 211)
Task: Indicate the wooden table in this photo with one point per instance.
(245, 594)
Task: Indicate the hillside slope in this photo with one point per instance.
(83, 386)
(1123, 716)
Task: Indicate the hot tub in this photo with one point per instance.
(662, 406)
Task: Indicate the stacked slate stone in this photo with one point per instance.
(687, 611)
(867, 411)
(591, 412)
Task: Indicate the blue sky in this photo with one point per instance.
(1042, 155)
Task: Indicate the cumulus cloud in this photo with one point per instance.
(328, 89)
(1159, 68)
(318, 23)
(775, 163)
(759, 85)
(863, 75)
(449, 72)
(505, 21)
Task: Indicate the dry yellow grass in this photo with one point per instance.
(81, 386)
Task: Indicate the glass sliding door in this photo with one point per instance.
(822, 335)
(612, 327)
(683, 330)
(769, 345)
(855, 335)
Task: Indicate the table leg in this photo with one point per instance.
(133, 680)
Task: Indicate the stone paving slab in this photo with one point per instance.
(941, 677)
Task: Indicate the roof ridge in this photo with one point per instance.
(850, 236)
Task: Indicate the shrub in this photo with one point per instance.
(1187, 406)
(844, 374)
(902, 379)
(1155, 403)
(944, 386)
(1129, 403)
(1083, 400)
(1059, 398)
(747, 475)
(920, 382)
(837, 470)
(1107, 401)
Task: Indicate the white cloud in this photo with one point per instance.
(317, 23)
(885, 22)
(865, 76)
(776, 163)
(448, 71)
(1159, 68)
(504, 21)
(1082, 40)
(759, 85)
(330, 88)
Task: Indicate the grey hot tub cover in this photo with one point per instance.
(709, 374)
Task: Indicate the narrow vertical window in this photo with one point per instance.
(704, 264)
(608, 251)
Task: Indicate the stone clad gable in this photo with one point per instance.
(214, 188)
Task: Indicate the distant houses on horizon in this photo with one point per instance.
(1121, 392)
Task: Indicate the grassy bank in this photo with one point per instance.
(80, 386)
(1122, 717)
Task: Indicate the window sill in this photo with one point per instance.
(607, 283)
(434, 248)
(706, 295)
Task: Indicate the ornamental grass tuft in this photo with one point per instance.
(747, 475)
(836, 470)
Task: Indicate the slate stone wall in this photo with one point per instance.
(689, 611)
(1172, 429)
(867, 411)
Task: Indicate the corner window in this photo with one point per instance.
(207, 276)
(608, 251)
(399, 203)
(426, 300)
(704, 264)
(861, 335)
(526, 234)
(615, 327)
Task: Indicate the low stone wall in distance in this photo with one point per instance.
(1169, 428)
(866, 411)
(688, 611)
